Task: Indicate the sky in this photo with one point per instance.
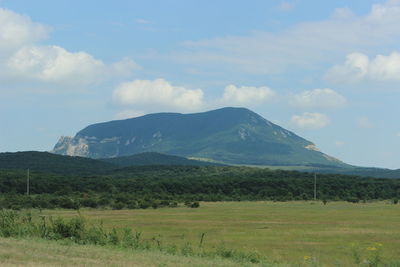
(327, 70)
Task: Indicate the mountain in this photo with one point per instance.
(228, 135)
(154, 158)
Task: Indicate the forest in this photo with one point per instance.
(166, 186)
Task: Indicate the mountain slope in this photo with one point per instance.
(231, 135)
(154, 158)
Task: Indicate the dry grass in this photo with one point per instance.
(15, 252)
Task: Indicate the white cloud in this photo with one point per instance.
(22, 59)
(157, 92)
(246, 95)
(310, 120)
(318, 98)
(17, 30)
(359, 67)
(53, 63)
(364, 122)
(128, 114)
(304, 45)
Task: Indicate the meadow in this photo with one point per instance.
(295, 232)
(37, 252)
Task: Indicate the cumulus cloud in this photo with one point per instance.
(318, 98)
(246, 95)
(303, 45)
(157, 92)
(18, 30)
(22, 59)
(358, 67)
(309, 120)
(53, 63)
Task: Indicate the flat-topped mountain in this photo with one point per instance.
(229, 135)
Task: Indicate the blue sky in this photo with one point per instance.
(327, 70)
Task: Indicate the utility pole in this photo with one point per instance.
(315, 186)
(27, 182)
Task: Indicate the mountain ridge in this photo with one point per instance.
(73, 165)
(229, 135)
(45, 162)
(154, 158)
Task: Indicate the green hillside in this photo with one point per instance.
(48, 162)
(154, 158)
(71, 165)
(68, 165)
(361, 171)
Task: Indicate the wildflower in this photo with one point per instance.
(371, 248)
(306, 258)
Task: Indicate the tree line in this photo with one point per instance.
(165, 186)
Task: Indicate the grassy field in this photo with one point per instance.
(289, 232)
(36, 252)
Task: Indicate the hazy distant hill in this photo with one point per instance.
(68, 165)
(231, 135)
(361, 171)
(48, 162)
(154, 158)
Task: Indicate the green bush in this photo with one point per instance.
(143, 204)
(353, 199)
(74, 228)
(96, 236)
(118, 206)
(9, 223)
(195, 204)
(113, 237)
